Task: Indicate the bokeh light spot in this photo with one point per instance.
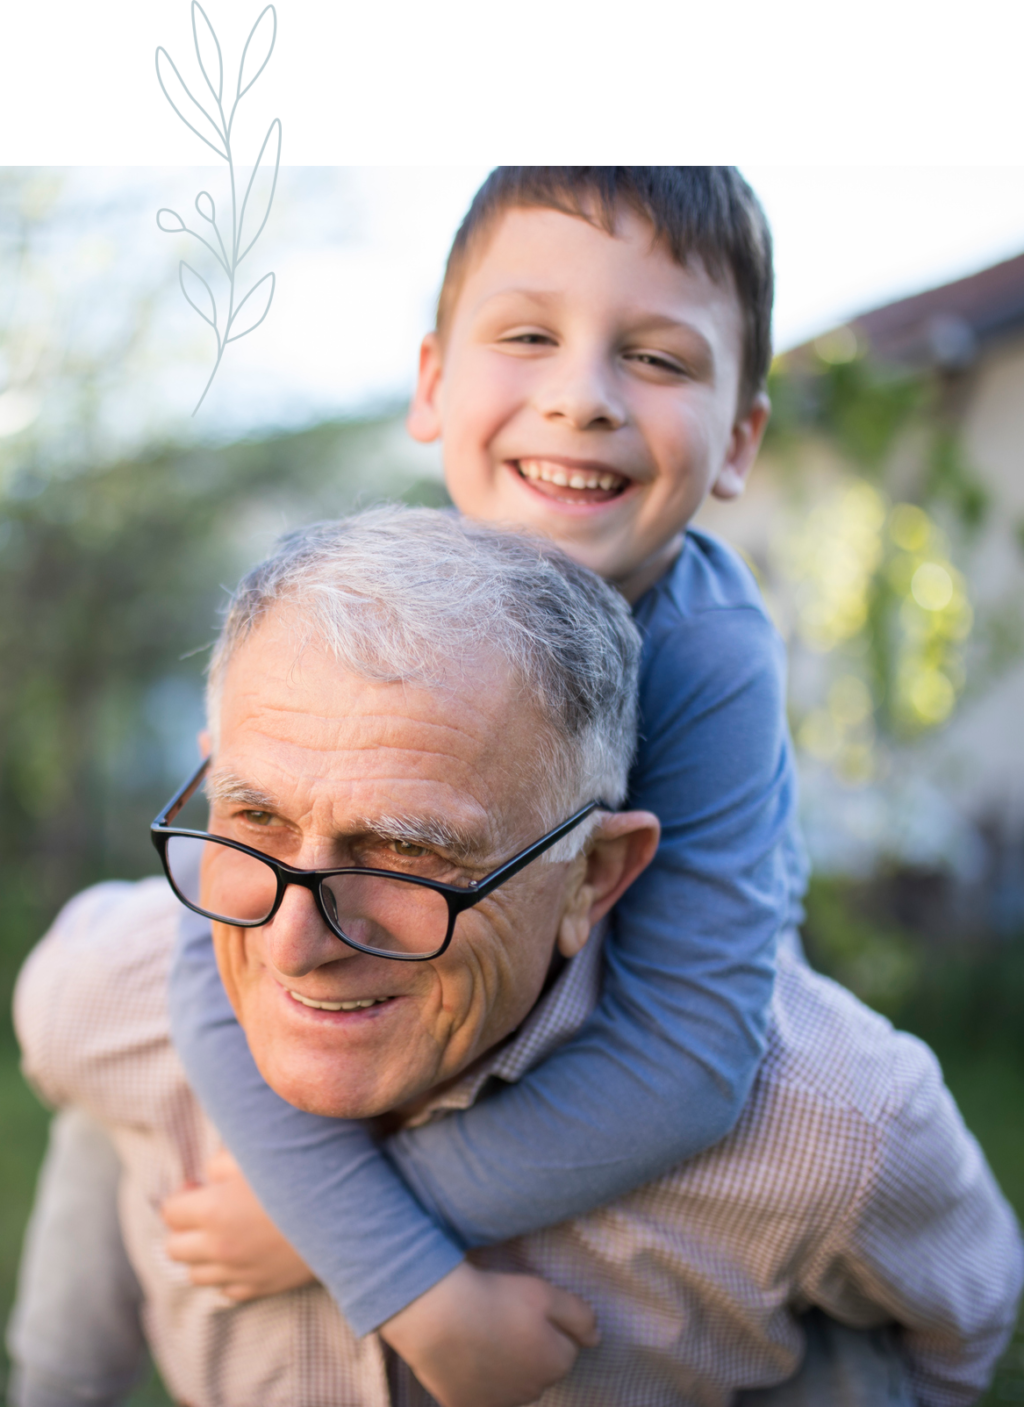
(849, 701)
(909, 527)
(838, 347)
(932, 696)
(932, 586)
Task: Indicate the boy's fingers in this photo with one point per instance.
(182, 1210)
(191, 1247)
(574, 1317)
(222, 1167)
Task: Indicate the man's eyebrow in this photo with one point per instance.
(433, 832)
(226, 788)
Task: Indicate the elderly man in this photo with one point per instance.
(407, 694)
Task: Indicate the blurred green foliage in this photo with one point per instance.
(111, 579)
(110, 582)
(885, 507)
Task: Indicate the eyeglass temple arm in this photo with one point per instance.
(182, 795)
(519, 862)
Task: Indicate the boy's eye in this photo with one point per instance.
(528, 339)
(658, 363)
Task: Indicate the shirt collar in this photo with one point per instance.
(557, 1017)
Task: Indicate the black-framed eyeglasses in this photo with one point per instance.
(381, 912)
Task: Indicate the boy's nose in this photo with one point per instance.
(584, 396)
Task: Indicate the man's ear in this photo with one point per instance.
(744, 443)
(205, 741)
(424, 419)
(621, 848)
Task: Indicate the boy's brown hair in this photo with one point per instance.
(707, 212)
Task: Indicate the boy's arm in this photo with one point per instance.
(323, 1182)
(663, 1068)
(660, 1073)
(473, 1338)
(930, 1240)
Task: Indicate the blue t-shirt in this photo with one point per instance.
(662, 1069)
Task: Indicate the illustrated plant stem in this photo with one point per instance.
(223, 130)
(222, 341)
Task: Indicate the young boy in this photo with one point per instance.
(598, 368)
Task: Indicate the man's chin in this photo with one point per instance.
(328, 1092)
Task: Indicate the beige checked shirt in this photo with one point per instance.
(849, 1183)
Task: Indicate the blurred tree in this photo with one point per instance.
(110, 579)
(868, 568)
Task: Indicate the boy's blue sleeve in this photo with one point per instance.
(323, 1182)
(662, 1070)
(659, 1073)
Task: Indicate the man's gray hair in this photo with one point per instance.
(405, 594)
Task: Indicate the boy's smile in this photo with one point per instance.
(587, 388)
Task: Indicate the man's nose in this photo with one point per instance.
(583, 393)
(297, 939)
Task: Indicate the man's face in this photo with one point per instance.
(587, 389)
(321, 768)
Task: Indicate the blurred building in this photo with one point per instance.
(965, 342)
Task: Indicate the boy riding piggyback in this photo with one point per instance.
(597, 369)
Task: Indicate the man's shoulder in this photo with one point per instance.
(834, 1096)
(118, 912)
(829, 1049)
(92, 995)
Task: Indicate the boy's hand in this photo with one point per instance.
(226, 1238)
(479, 1339)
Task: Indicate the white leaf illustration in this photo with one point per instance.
(239, 90)
(207, 50)
(255, 314)
(194, 286)
(273, 140)
(213, 126)
(162, 52)
(169, 220)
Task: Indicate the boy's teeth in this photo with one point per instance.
(336, 1006)
(575, 479)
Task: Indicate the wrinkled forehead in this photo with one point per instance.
(299, 725)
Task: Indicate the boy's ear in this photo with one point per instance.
(424, 419)
(620, 849)
(747, 435)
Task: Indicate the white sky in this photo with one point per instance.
(358, 254)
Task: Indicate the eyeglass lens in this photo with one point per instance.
(389, 915)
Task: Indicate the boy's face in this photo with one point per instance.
(587, 389)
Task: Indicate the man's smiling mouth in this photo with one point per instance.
(336, 1006)
(572, 483)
